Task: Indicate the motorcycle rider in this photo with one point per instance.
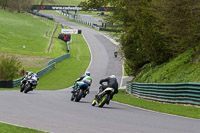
(111, 82)
(85, 81)
(27, 76)
(30, 75)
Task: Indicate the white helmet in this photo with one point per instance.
(112, 76)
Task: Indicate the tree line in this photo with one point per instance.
(154, 30)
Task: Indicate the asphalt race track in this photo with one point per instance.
(53, 111)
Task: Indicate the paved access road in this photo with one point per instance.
(54, 112)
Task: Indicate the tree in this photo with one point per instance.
(16, 5)
(155, 30)
(181, 20)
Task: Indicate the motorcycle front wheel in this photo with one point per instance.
(22, 87)
(27, 88)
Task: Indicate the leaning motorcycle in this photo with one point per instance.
(30, 85)
(103, 97)
(78, 91)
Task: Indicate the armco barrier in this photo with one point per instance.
(59, 58)
(39, 73)
(16, 82)
(6, 84)
(181, 93)
(46, 69)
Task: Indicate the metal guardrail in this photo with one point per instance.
(181, 93)
(47, 69)
(16, 82)
(59, 59)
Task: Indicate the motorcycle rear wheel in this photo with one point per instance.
(79, 96)
(103, 100)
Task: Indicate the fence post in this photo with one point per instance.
(55, 65)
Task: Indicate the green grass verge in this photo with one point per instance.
(181, 110)
(7, 128)
(68, 70)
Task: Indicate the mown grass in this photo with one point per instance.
(181, 110)
(18, 30)
(7, 128)
(68, 70)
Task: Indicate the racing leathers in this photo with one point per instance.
(84, 81)
(111, 82)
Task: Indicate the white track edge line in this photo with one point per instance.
(90, 52)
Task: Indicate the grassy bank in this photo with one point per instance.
(187, 111)
(23, 33)
(183, 68)
(6, 128)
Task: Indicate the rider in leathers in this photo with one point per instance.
(111, 82)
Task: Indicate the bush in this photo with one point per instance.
(9, 67)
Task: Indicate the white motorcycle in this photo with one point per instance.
(29, 84)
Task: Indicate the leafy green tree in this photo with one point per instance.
(16, 5)
(181, 20)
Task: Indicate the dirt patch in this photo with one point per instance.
(30, 61)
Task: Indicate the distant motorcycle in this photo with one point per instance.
(79, 92)
(28, 84)
(103, 97)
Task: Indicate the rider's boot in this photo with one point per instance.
(108, 102)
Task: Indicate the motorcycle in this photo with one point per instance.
(79, 91)
(103, 97)
(28, 84)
